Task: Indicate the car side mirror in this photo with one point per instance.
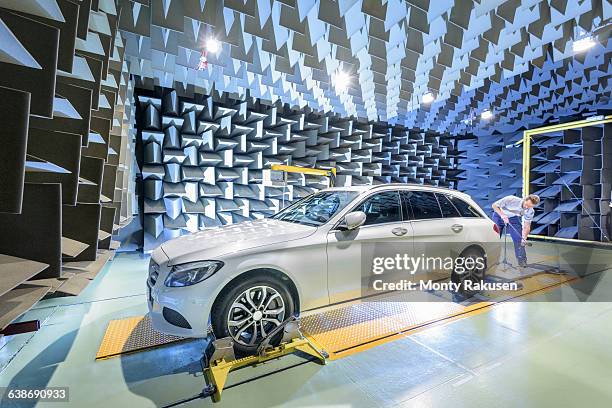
(354, 220)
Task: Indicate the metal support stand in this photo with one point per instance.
(507, 264)
(505, 260)
(219, 358)
(557, 269)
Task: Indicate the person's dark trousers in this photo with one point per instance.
(515, 228)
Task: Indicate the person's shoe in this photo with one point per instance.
(522, 264)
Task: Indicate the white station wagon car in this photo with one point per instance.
(246, 278)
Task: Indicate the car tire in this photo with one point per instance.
(475, 275)
(232, 311)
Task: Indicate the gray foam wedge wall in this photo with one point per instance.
(67, 137)
(205, 159)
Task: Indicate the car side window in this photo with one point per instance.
(448, 209)
(424, 205)
(381, 208)
(465, 209)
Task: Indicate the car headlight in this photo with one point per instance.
(191, 273)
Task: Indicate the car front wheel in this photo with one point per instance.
(248, 311)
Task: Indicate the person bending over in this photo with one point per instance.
(509, 211)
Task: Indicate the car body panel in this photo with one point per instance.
(219, 241)
(347, 251)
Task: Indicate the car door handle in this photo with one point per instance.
(457, 228)
(399, 231)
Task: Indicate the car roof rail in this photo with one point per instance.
(376, 186)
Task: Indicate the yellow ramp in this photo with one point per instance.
(131, 334)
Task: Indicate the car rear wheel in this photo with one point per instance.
(248, 311)
(473, 272)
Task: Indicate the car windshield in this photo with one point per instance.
(316, 209)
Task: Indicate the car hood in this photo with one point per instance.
(227, 239)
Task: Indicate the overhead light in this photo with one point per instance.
(428, 97)
(213, 46)
(341, 81)
(203, 64)
(583, 44)
(486, 114)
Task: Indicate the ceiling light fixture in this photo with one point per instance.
(583, 44)
(203, 64)
(427, 97)
(486, 114)
(341, 81)
(213, 46)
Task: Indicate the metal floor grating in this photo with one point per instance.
(346, 327)
(371, 321)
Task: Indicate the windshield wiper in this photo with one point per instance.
(312, 224)
(301, 222)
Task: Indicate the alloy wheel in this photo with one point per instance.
(254, 314)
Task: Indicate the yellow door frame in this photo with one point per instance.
(527, 136)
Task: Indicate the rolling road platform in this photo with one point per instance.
(350, 328)
(354, 326)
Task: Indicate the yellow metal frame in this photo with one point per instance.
(216, 373)
(528, 134)
(306, 170)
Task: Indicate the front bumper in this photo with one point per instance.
(191, 302)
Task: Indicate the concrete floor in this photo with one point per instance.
(536, 353)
